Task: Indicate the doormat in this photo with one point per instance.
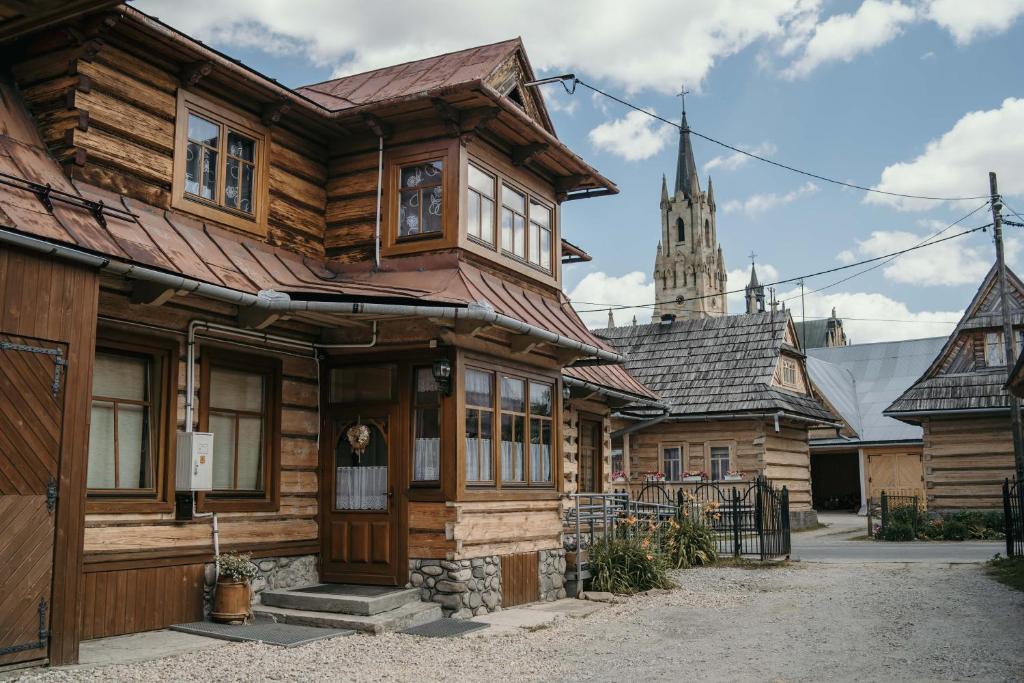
(349, 589)
(272, 633)
(444, 628)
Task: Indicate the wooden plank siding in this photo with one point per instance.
(966, 461)
(143, 599)
(110, 117)
(56, 301)
(787, 462)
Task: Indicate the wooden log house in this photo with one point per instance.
(962, 405)
(355, 286)
(739, 401)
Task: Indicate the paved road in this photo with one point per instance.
(874, 551)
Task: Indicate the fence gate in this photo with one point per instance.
(1013, 505)
(31, 417)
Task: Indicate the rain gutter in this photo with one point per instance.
(612, 393)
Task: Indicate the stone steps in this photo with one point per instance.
(341, 598)
(403, 617)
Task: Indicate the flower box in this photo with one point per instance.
(733, 477)
(692, 478)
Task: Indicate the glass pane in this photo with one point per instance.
(473, 214)
(534, 243)
(540, 399)
(203, 131)
(671, 458)
(409, 214)
(250, 454)
(363, 383)
(231, 184)
(121, 377)
(426, 463)
(472, 445)
(245, 190)
(101, 446)
(519, 237)
(540, 450)
(487, 221)
(540, 214)
(223, 428)
(513, 394)
(545, 248)
(361, 480)
(486, 438)
(512, 448)
(133, 447)
(426, 390)
(507, 218)
(193, 153)
(513, 199)
(209, 182)
(418, 175)
(241, 146)
(479, 388)
(236, 390)
(432, 213)
(481, 182)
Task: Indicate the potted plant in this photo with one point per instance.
(233, 594)
(576, 554)
(693, 476)
(618, 475)
(734, 475)
(655, 476)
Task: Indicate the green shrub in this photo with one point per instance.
(898, 531)
(964, 525)
(689, 544)
(954, 530)
(628, 564)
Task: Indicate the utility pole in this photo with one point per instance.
(1004, 298)
(803, 318)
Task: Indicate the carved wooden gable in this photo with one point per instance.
(509, 79)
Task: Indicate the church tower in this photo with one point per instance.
(689, 270)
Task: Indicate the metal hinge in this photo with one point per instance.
(51, 495)
(58, 360)
(44, 635)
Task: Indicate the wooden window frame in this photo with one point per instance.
(413, 407)
(494, 199)
(226, 117)
(446, 152)
(497, 488)
(683, 454)
(160, 497)
(269, 500)
(729, 459)
(601, 475)
(708, 445)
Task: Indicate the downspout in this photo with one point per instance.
(380, 182)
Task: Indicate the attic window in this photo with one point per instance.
(516, 96)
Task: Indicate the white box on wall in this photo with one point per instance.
(195, 462)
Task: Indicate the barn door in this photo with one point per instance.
(31, 416)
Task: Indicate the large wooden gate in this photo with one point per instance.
(31, 417)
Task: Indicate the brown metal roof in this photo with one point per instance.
(411, 78)
(612, 377)
(20, 17)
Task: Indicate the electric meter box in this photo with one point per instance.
(195, 461)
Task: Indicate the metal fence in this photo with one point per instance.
(891, 509)
(1013, 504)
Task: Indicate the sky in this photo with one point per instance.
(920, 98)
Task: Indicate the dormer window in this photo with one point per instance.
(420, 199)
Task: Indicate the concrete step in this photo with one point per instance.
(406, 616)
(341, 598)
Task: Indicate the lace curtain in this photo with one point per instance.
(427, 460)
(361, 488)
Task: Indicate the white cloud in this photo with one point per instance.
(966, 20)
(947, 263)
(842, 37)
(735, 160)
(761, 202)
(557, 100)
(634, 137)
(957, 164)
(739, 278)
(928, 55)
(601, 288)
(881, 318)
(652, 44)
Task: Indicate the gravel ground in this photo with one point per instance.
(792, 623)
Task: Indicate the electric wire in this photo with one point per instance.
(793, 169)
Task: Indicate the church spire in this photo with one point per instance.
(664, 190)
(686, 169)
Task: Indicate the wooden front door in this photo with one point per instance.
(591, 476)
(31, 418)
(361, 474)
(896, 473)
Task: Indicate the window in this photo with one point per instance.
(479, 426)
(995, 352)
(707, 231)
(719, 462)
(239, 402)
(789, 372)
(426, 405)
(420, 195)
(220, 164)
(540, 235)
(681, 229)
(618, 457)
(524, 410)
(672, 462)
(513, 221)
(480, 205)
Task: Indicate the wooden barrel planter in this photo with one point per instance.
(231, 601)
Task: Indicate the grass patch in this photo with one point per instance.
(1008, 571)
(747, 563)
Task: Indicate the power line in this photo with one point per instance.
(766, 160)
(890, 256)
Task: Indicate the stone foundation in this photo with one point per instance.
(275, 572)
(551, 574)
(463, 588)
(802, 519)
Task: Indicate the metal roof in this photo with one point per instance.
(861, 380)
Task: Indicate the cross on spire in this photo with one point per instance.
(683, 92)
(752, 256)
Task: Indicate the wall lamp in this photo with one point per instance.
(442, 371)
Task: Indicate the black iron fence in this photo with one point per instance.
(749, 519)
(899, 510)
(1013, 504)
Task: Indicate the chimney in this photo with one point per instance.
(668, 318)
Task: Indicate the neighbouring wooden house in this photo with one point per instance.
(870, 452)
(739, 401)
(961, 403)
(354, 286)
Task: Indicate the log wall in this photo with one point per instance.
(787, 462)
(966, 461)
(464, 530)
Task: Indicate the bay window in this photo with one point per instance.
(480, 205)
(513, 222)
(479, 426)
(420, 199)
(426, 405)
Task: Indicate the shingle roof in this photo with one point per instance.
(945, 387)
(812, 333)
(613, 377)
(860, 381)
(713, 365)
